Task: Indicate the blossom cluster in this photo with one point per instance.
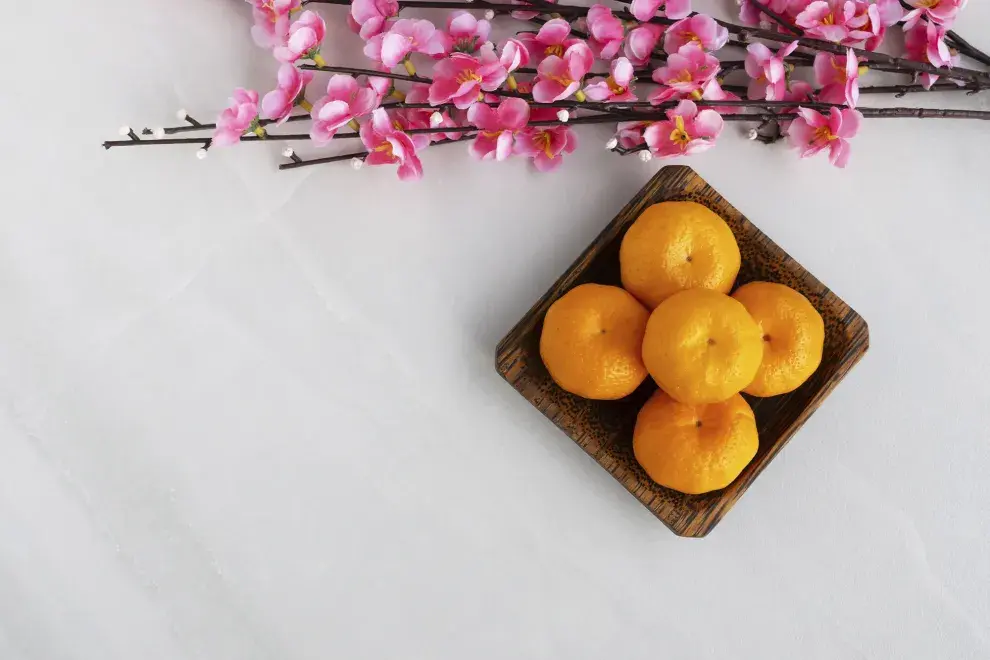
(659, 77)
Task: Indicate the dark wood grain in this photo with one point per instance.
(604, 428)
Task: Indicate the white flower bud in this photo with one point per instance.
(357, 163)
(124, 131)
(489, 14)
(645, 156)
(612, 144)
(753, 134)
(288, 152)
(181, 114)
(158, 133)
(436, 119)
(202, 153)
(563, 116)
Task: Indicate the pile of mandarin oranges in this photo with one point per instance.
(674, 320)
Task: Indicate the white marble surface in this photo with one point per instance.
(249, 415)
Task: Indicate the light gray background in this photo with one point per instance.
(252, 415)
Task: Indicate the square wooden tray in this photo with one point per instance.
(604, 428)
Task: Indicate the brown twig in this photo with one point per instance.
(205, 141)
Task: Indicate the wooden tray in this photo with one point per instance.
(604, 428)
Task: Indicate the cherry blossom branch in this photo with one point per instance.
(204, 141)
(187, 128)
(357, 155)
(961, 44)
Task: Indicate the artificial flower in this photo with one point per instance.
(465, 33)
(560, 77)
(386, 144)
(940, 12)
(277, 104)
(812, 132)
(617, 87)
(839, 77)
(499, 127)
(240, 117)
(305, 38)
(372, 16)
(699, 29)
(344, 102)
(641, 41)
(460, 78)
(605, 32)
(552, 39)
(925, 42)
(687, 73)
(827, 19)
(546, 145)
(685, 131)
(644, 10)
(271, 21)
(514, 55)
(767, 71)
(404, 37)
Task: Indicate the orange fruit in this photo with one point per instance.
(793, 336)
(695, 448)
(591, 341)
(674, 246)
(702, 346)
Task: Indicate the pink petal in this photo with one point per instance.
(484, 117)
(380, 122)
(554, 31)
(622, 71)
(546, 91)
(677, 9)
(333, 113)
(708, 124)
(644, 10)
(395, 48)
(838, 153)
(513, 113)
(598, 90)
(851, 120)
(341, 87)
(503, 145)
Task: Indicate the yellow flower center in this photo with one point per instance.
(563, 81)
(396, 125)
(614, 87)
(927, 4)
(841, 68)
(387, 148)
(691, 36)
(679, 135)
(823, 134)
(682, 77)
(828, 20)
(467, 76)
(555, 49)
(543, 140)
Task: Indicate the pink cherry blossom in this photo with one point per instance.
(641, 41)
(871, 21)
(767, 71)
(812, 132)
(465, 33)
(386, 144)
(460, 78)
(240, 116)
(839, 77)
(940, 12)
(372, 16)
(271, 21)
(425, 118)
(644, 10)
(560, 77)
(546, 145)
(827, 19)
(714, 92)
(552, 39)
(514, 55)
(277, 104)
(345, 101)
(382, 86)
(617, 87)
(750, 14)
(404, 37)
(605, 32)
(526, 15)
(498, 127)
(925, 42)
(687, 73)
(699, 29)
(686, 131)
(305, 38)
(629, 134)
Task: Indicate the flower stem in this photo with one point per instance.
(354, 126)
(305, 105)
(410, 69)
(204, 141)
(318, 59)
